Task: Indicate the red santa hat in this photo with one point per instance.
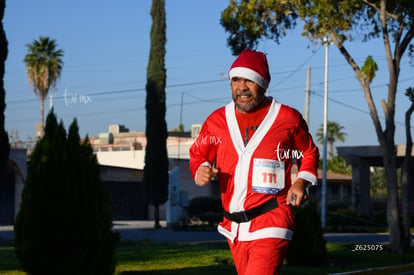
(251, 65)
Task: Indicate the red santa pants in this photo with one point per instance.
(263, 256)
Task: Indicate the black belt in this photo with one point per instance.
(245, 216)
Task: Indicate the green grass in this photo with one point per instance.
(150, 258)
(214, 258)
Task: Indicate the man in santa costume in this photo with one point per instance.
(249, 145)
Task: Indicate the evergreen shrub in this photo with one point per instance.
(64, 225)
(308, 246)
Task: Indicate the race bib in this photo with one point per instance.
(268, 176)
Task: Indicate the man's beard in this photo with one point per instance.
(250, 106)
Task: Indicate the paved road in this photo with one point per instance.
(357, 238)
(143, 230)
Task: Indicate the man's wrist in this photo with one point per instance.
(303, 182)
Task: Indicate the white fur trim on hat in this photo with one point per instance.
(248, 74)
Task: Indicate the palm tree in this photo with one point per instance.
(43, 68)
(334, 133)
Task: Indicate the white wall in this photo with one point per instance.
(19, 157)
(128, 159)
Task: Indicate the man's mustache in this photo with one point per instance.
(244, 93)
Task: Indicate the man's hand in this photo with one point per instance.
(205, 175)
(297, 193)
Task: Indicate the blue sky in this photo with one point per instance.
(106, 46)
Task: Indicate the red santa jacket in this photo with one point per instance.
(282, 136)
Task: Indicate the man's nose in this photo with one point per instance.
(243, 84)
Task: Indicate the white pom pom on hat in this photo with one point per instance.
(251, 65)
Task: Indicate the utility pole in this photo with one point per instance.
(307, 95)
(181, 121)
(325, 138)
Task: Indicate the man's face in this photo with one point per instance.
(247, 94)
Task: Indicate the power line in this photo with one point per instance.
(298, 68)
(354, 108)
(117, 92)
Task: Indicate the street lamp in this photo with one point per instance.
(181, 121)
(325, 138)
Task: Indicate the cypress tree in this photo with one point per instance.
(4, 139)
(156, 159)
(64, 223)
